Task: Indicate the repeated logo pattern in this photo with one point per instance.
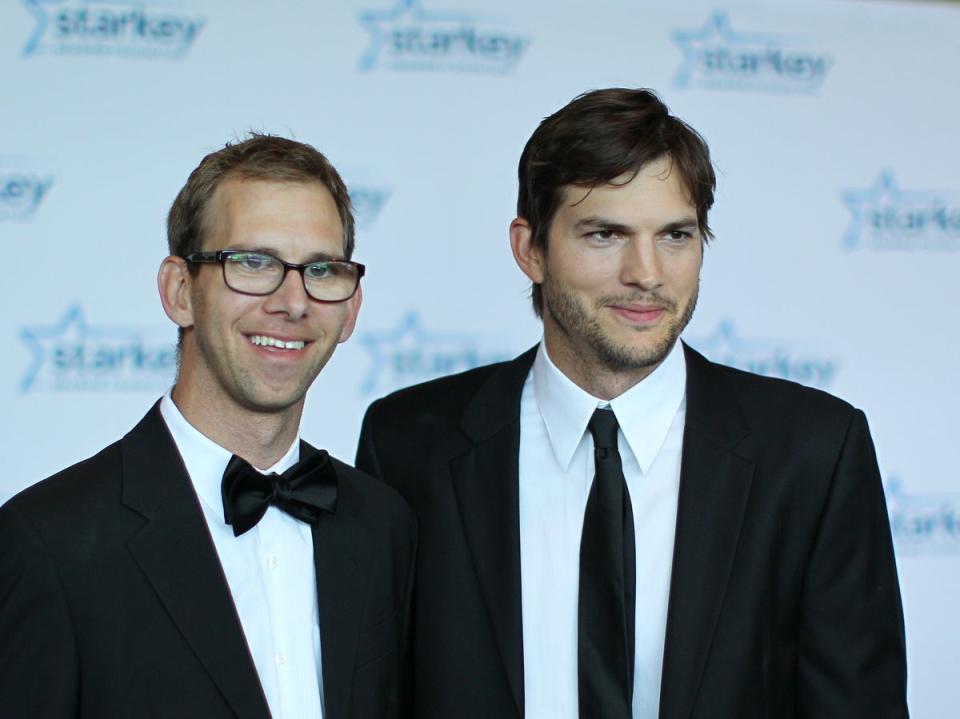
(410, 353)
(102, 27)
(717, 57)
(21, 192)
(407, 37)
(923, 524)
(886, 217)
(768, 356)
(72, 355)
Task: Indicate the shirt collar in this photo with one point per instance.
(206, 460)
(644, 412)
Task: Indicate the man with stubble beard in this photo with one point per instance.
(611, 525)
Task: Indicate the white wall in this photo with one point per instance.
(833, 126)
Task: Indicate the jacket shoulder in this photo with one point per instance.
(760, 392)
(56, 507)
(780, 412)
(443, 396)
(70, 488)
(378, 498)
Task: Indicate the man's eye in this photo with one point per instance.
(602, 236)
(252, 262)
(319, 271)
(678, 237)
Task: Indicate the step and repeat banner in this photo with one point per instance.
(836, 263)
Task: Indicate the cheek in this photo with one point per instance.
(685, 272)
(582, 273)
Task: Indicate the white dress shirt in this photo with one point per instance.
(556, 471)
(271, 575)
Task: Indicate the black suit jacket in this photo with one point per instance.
(783, 599)
(113, 602)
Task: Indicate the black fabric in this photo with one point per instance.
(304, 491)
(605, 621)
(783, 593)
(113, 601)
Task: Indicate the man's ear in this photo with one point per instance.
(353, 309)
(174, 281)
(529, 256)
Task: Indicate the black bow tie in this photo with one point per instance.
(303, 491)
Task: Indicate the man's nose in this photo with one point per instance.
(290, 297)
(641, 264)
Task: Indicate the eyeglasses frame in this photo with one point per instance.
(221, 257)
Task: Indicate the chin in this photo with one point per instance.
(270, 404)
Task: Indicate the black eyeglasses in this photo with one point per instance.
(259, 273)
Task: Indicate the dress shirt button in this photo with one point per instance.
(281, 658)
(272, 561)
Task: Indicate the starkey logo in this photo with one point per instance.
(111, 27)
(767, 356)
(409, 353)
(368, 201)
(407, 37)
(717, 57)
(886, 217)
(923, 523)
(70, 354)
(21, 191)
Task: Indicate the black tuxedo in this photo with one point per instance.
(783, 599)
(113, 602)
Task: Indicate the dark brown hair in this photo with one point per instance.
(259, 157)
(598, 137)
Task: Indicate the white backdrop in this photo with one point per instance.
(833, 127)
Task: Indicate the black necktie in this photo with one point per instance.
(605, 624)
(303, 491)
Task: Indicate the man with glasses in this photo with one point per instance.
(613, 527)
(211, 563)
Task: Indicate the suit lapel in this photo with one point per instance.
(486, 482)
(341, 554)
(714, 487)
(175, 552)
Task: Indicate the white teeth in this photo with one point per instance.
(264, 341)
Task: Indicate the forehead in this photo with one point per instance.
(657, 188)
(292, 219)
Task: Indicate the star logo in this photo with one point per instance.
(368, 202)
(923, 524)
(21, 192)
(886, 217)
(717, 57)
(108, 27)
(407, 37)
(70, 354)
(410, 353)
(765, 356)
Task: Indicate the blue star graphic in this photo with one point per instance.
(368, 201)
(860, 202)
(408, 332)
(724, 341)
(884, 192)
(34, 7)
(410, 10)
(717, 30)
(40, 338)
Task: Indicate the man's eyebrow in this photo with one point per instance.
(685, 223)
(600, 223)
(322, 257)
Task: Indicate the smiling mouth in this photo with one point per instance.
(267, 341)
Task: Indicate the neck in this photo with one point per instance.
(261, 438)
(592, 375)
